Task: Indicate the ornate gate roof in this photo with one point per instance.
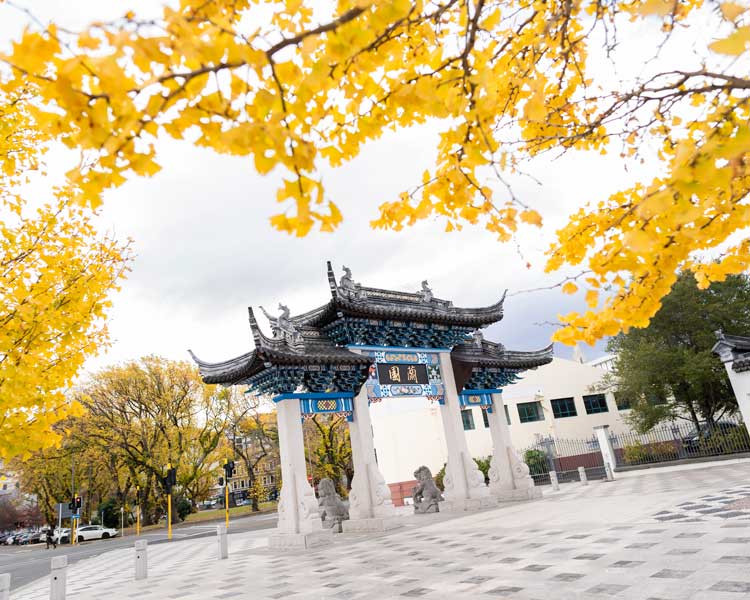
(308, 352)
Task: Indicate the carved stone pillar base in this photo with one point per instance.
(300, 541)
(468, 504)
(373, 525)
(516, 495)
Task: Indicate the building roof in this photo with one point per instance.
(734, 348)
(291, 345)
(309, 340)
(355, 300)
(483, 354)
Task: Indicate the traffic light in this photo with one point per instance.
(170, 480)
(221, 481)
(72, 504)
(229, 469)
(79, 502)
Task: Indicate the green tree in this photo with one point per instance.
(667, 370)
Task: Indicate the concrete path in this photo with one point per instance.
(29, 563)
(674, 534)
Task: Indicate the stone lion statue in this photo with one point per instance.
(332, 509)
(426, 494)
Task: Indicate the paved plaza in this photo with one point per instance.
(671, 534)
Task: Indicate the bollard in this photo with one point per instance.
(57, 578)
(608, 471)
(141, 559)
(221, 536)
(553, 480)
(4, 586)
(582, 475)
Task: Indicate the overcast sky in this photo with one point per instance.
(205, 250)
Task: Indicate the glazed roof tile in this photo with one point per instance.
(355, 300)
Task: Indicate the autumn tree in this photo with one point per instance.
(667, 370)
(56, 274)
(254, 438)
(297, 85)
(151, 413)
(330, 450)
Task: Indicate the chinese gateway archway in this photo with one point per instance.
(364, 345)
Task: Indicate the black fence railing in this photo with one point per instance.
(564, 456)
(681, 440)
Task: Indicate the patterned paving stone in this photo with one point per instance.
(740, 587)
(568, 576)
(734, 560)
(607, 589)
(476, 579)
(626, 564)
(672, 574)
(504, 589)
(416, 592)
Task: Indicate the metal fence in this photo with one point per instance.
(681, 440)
(564, 456)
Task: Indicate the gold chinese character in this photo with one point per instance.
(394, 373)
(411, 373)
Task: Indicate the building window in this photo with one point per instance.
(596, 403)
(530, 411)
(468, 419)
(485, 418)
(507, 413)
(563, 407)
(622, 402)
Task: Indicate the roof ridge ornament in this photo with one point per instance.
(478, 338)
(282, 326)
(351, 288)
(427, 295)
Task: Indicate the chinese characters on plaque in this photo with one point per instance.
(389, 374)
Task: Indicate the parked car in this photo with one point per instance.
(22, 539)
(36, 537)
(95, 532)
(692, 441)
(61, 536)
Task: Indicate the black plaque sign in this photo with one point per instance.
(390, 374)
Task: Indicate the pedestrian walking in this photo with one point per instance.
(49, 539)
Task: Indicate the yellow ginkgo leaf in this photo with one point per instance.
(732, 10)
(734, 44)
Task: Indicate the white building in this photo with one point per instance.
(561, 399)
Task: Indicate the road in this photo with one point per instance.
(27, 563)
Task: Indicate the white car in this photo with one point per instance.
(95, 532)
(61, 536)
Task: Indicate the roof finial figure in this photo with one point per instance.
(282, 326)
(478, 338)
(346, 281)
(426, 292)
(349, 287)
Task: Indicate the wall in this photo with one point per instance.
(408, 431)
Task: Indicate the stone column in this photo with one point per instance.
(463, 481)
(605, 446)
(509, 475)
(370, 504)
(299, 524)
(741, 387)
